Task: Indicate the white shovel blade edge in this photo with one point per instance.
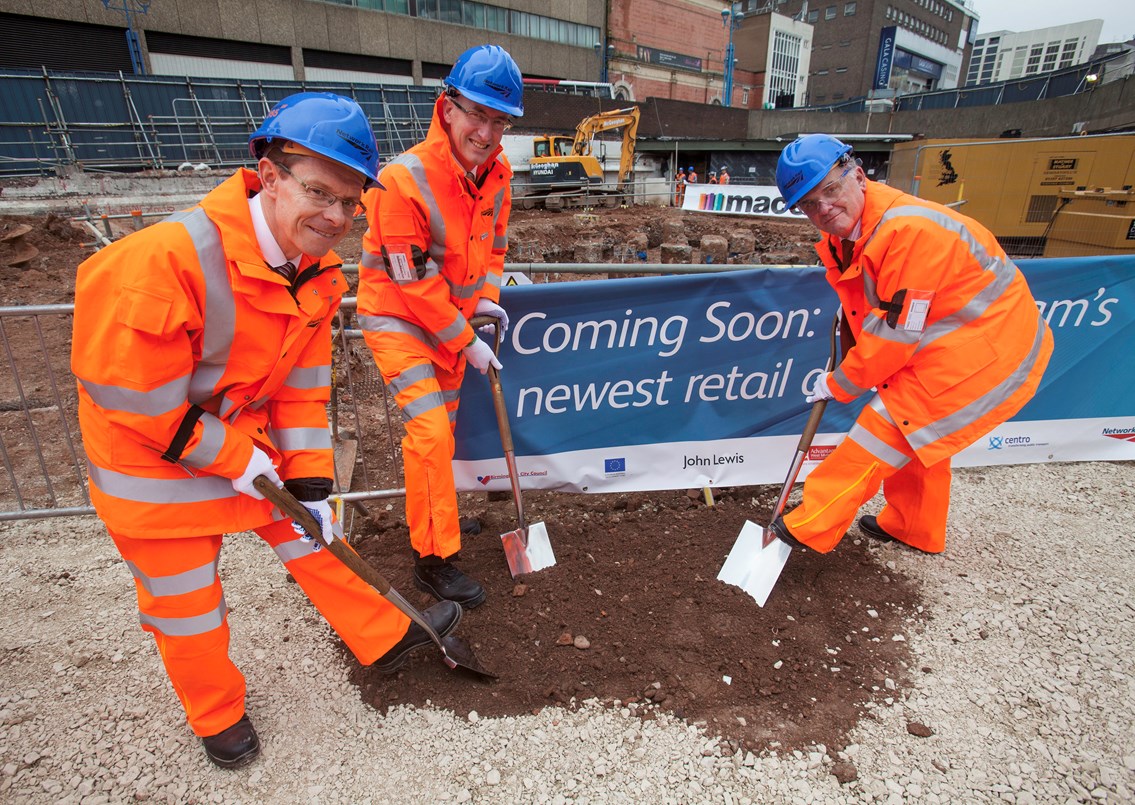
(751, 566)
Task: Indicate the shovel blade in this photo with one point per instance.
(753, 566)
(528, 549)
(457, 654)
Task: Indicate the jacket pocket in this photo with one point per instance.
(946, 368)
(144, 311)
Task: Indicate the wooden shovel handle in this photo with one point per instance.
(287, 503)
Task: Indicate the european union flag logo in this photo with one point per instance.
(614, 465)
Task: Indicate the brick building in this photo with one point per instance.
(881, 48)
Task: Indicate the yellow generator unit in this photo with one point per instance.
(1012, 186)
(1087, 222)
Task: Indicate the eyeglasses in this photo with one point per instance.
(321, 198)
(500, 124)
(828, 194)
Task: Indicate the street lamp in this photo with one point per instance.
(729, 18)
(129, 7)
(604, 55)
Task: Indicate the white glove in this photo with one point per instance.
(259, 464)
(820, 391)
(481, 356)
(488, 308)
(321, 511)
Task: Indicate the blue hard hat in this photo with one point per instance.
(330, 125)
(690, 168)
(487, 75)
(805, 162)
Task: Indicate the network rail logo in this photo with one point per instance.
(1122, 434)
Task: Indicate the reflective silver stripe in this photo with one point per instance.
(453, 395)
(845, 383)
(437, 221)
(393, 324)
(427, 402)
(432, 269)
(372, 260)
(879, 328)
(161, 490)
(453, 330)
(467, 291)
(493, 280)
(870, 290)
(498, 205)
(880, 408)
(302, 438)
(187, 627)
(452, 416)
(309, 377)
(220, 307)
(877, 447)
(189, 581)
(972, 310)
(970, 413)
(154, 402)
(500, 243)
(210, 444)
(410, 376)
(294, 549)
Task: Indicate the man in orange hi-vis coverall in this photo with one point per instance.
(433, 257)
(941, 323)
(202, 350)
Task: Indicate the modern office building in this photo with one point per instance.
(1007, 55)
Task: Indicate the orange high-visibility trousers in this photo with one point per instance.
(874, 453)
(180, 602)
(428, 396)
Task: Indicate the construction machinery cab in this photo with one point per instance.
(563, 170)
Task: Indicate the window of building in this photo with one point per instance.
(841, 69)
(813, 16)
(848, 9)
(829, 13)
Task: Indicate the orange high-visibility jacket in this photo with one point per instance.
(459, 231)
(186, 345)
(966, 347)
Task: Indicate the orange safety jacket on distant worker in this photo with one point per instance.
(944, 323)
(187, 360)
(444, 241)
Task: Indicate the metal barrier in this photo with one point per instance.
(40, 446)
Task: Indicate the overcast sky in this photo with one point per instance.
(1025, 15)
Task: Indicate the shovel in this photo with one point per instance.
(528, 548)
(757, 557)
(455, 652)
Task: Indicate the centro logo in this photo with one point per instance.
(995, 443)
(1018, 440)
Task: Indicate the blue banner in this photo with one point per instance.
(886, 58)
(681, 381)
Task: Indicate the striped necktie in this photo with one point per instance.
(287, 271)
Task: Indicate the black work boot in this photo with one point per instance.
(782, 533)
(869, 525)
(237, 746)
(443, 580)
(443, 617)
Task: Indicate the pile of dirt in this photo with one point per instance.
(632, 614)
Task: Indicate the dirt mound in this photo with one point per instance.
(636, 578)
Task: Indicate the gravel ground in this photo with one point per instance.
(1022, 676)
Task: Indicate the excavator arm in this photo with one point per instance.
(627, 120)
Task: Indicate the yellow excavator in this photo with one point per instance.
(563, 172)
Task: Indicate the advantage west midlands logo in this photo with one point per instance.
(614, 467)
